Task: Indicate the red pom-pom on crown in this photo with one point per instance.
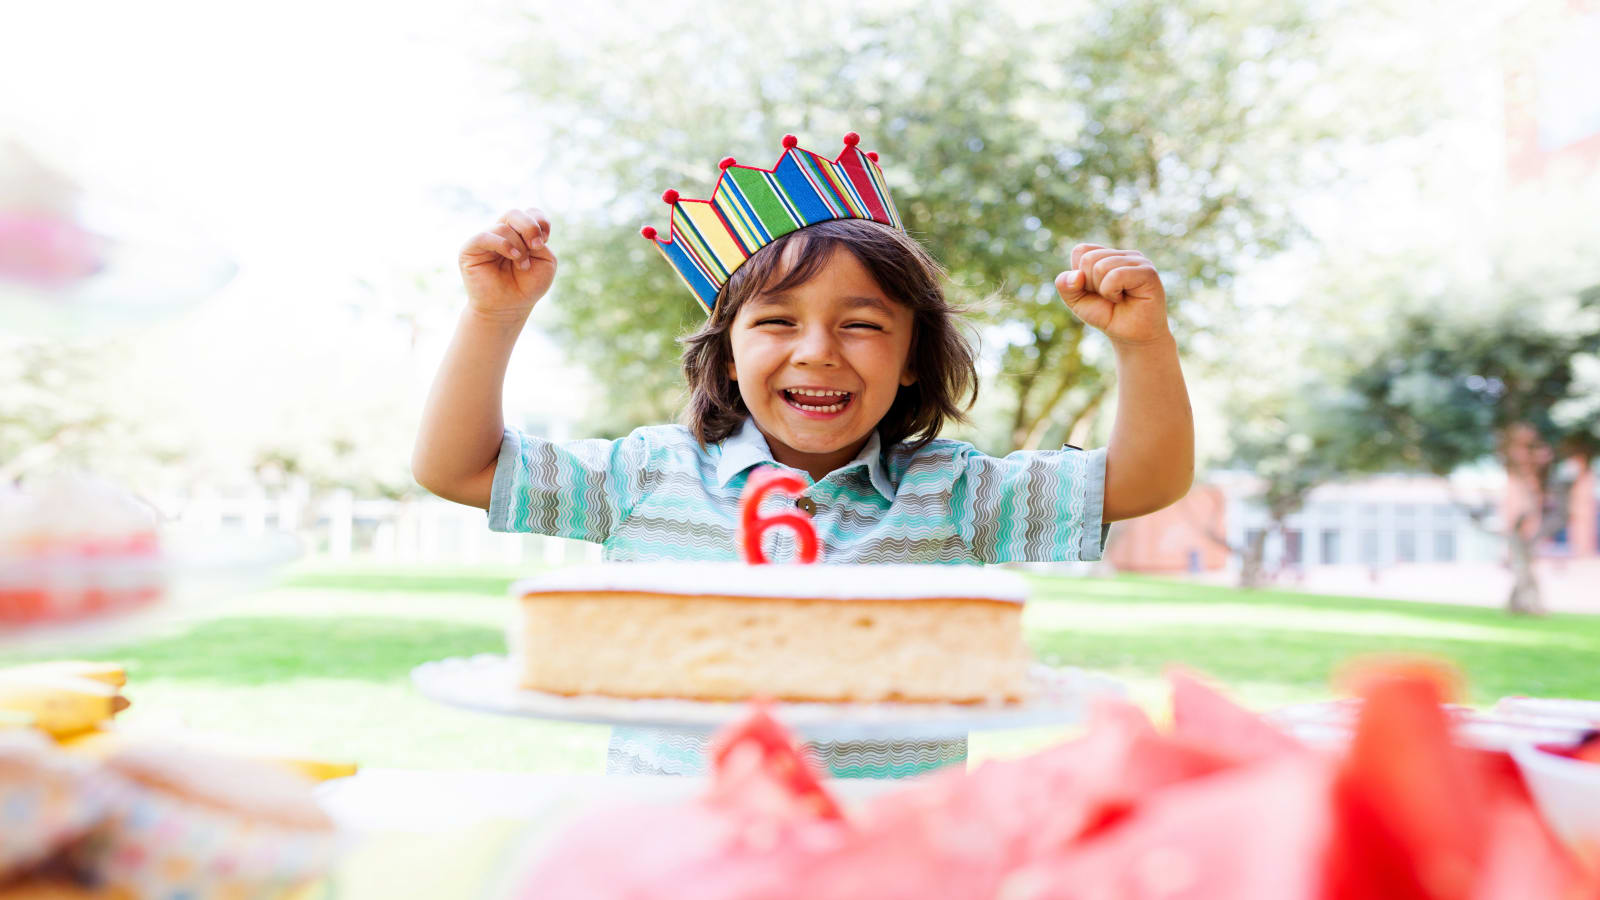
(648, 231)
(669, 196)
(790, 142)
(726, 162)
(851, 139)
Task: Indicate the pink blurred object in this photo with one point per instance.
(78, 260)
(47, 253)
(1225, 807)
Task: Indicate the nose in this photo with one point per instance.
(815, 346)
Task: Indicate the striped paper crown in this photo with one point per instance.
(751, 207)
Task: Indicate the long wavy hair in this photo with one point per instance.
(941, 355)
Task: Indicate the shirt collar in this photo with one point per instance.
(747, 447)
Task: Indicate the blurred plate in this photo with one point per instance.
(1330, 724)
(487, 683)
(1566, 790)
(190, 577)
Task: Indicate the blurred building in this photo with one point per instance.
(1374, 522)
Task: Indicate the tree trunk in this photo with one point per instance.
(1525, 599)
(1251, 572)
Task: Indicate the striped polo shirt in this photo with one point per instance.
(657, 495)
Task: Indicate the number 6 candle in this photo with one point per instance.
(752, 524)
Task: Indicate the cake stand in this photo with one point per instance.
(487, 683)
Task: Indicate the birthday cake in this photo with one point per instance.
(74, 548)
(800, 632)
(731, 631)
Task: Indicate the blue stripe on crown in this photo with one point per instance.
(813, 208)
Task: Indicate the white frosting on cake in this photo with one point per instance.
(819, 581)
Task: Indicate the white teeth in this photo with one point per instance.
(796, 393)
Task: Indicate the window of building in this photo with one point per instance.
(1444, 546)
(1291, 546)
(1330, 547)
(1370, 547)
(1405, 511)
(1405, 546)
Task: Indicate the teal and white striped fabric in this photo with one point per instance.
(657, 495)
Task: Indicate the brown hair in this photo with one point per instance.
(941, 357)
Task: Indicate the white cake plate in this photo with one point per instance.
(487, 683)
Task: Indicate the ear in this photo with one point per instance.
(908, 376)
(733, 371)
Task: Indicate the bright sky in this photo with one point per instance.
(317, 143)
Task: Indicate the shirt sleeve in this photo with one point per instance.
(1032, 505)
(569, 489)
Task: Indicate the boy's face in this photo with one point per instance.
(819, 365)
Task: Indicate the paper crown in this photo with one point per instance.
(752, 207)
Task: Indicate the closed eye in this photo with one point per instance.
(873, 325)
(760, 322)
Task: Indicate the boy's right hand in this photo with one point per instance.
(507, 268)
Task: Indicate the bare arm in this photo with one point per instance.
(1150, 461)
(506, 269)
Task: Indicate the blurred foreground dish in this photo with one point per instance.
(1223, 806)
(154, 820)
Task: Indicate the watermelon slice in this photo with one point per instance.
(760, 769)
(1203, 716)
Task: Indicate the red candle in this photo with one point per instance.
(752, 524)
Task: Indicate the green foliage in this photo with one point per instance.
(1007, 136)
(1445, 389)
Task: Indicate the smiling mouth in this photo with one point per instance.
(817, 401)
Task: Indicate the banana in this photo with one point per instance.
(101, 742)
(61, 705)
(316, 769)
(96, 743)
(112, 673)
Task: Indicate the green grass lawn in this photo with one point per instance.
(321, 662)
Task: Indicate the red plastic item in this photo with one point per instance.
(752, 524)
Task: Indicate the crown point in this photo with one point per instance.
(648, 231)
(790, 142)
(872, 155)
(851, 139)
(669, 196)
(726, 162)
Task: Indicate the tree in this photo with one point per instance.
(1293, 435)
(1008, 134)
(1513, 379)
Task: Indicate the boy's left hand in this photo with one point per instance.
(1116, 291)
